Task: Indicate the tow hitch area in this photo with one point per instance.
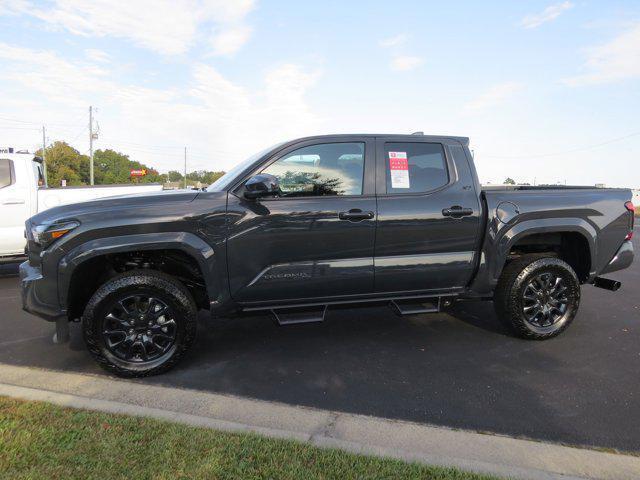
(607, 284)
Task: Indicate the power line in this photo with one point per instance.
(16, 121)
(159, 148)
(19, 128)
(577, 149)
(25, 122)
(167, 154)
(143, 144)
(78, 135)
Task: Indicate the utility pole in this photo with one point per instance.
(44, 156)
(185, 167)
(91, 145)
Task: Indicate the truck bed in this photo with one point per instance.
(514, 212)
(503, 188)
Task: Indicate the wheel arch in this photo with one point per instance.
(210, 264)
(576, 233)
(501, 239)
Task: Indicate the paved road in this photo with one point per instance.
(459, 370)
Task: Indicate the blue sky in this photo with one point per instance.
(548, 91)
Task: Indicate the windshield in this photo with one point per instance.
(228, 178)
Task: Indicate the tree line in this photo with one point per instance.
(109, 167)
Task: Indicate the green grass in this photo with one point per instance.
(39, 440)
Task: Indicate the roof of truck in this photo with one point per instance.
(462, 140)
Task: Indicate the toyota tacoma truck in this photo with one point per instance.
(317, 222)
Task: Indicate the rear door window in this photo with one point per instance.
(415, 167)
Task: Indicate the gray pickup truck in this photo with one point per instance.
(315, 222)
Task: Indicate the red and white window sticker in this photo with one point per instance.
(399, 167)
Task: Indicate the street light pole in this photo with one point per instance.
(185, 167)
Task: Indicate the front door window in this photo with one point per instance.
(323, 169)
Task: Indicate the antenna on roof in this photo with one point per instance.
(417, 133)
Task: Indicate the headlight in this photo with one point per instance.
(44, 235)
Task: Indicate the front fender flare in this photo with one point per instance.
(210, 262)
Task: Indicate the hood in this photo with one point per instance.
(116, 205)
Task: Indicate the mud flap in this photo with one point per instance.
(62, 331)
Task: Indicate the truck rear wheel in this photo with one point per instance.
(139, 323)
(537, 297)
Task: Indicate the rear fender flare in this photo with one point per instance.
(505, 240)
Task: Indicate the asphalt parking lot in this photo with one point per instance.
(460, 370)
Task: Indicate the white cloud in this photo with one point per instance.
(494, 96)
(51, 75)
(404, 63)
(96, 55)
(399, 62)
(285, 89)
(549, 14)
(229, 40)
(165, 26)
(13, 7)
(220, 121)
(225, 10)
(614, 61)
(399, 39)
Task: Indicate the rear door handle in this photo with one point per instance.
(355, 214)
(457, 211)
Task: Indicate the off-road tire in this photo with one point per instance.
(169, 290)
(508, 297)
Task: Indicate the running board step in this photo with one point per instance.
(293, 315)
(414, 306)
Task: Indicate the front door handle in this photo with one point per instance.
(457, 211)
(355, 215)
(13, 201)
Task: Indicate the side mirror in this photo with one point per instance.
(261, 185)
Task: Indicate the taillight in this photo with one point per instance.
(632, 212)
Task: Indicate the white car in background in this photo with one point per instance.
(23, 193)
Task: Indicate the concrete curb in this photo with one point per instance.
(491, 454)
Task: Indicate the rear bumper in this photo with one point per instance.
(622, 259)
(32, 283)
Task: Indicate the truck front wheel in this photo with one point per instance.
(139, 323)
(537, 297)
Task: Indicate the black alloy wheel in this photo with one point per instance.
(139, 328)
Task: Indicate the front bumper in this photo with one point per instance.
(622, 259)
(32, 285)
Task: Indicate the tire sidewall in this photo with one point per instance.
(537, 267)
